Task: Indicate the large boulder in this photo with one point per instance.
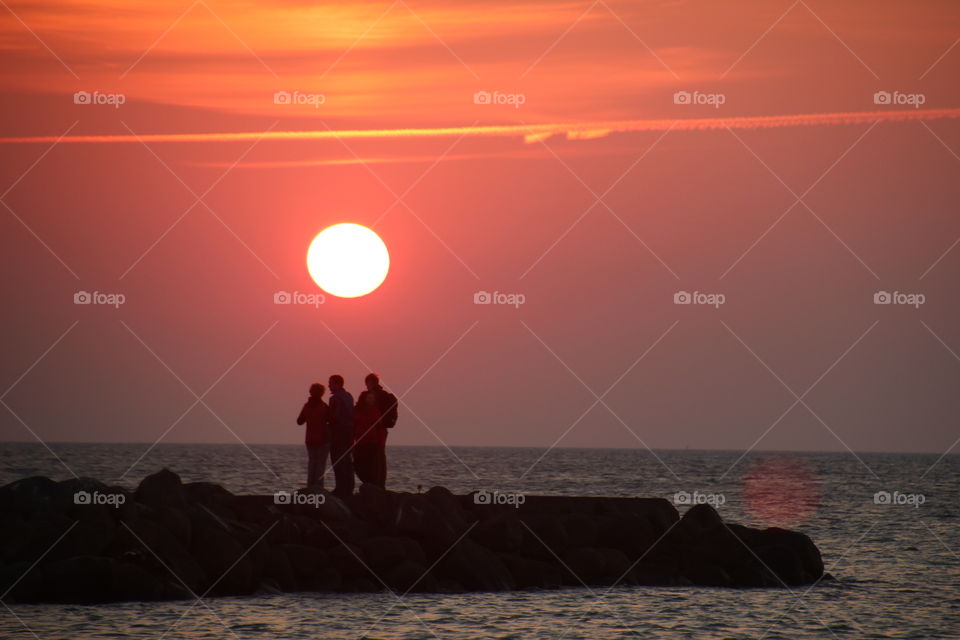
(312, 568)
(30, 496)
(148, 544)
(475, 567)
(529, 573)
(410, 575)
(92, 579)
(162, 489)
(272, 566)
(383, 553)
(592, 566)
(502, 532)
(224, 560)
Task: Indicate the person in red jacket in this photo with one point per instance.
(314, 415)
(376, 411)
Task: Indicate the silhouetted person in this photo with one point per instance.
(340, 419)
(376, 412)
(314, 414)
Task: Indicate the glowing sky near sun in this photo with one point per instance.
(594, 157)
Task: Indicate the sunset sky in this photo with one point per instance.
(638, 150)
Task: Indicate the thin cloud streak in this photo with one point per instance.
(530, 133)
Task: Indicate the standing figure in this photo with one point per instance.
(376, 412)
(341, 436)
(314, 415)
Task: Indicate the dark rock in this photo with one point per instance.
(532, 574)
(410, 576)
(31, 496)
(698, 520)
(148, 544)
(169, 540)
(655, 576)
(349, 561)
(475, 567)
(162, 489)
(132, 582)
(375, 505)
(224, 560)
(419, 517)
(632, 534)
(708, 576)
(545, 538)
(581, 529)
(81, 580)
(502, 532)
(176, 522)
(590, 566)
(22, 582)
(383, 553)
(271, 565)
(209, 494)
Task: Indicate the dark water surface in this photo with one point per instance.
(897, 566)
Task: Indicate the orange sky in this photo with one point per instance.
(640, 148)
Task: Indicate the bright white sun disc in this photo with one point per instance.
(348, 260)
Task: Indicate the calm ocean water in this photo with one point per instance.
(897, 566)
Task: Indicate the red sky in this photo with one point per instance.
(798, 197)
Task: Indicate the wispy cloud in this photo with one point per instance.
(529, 133)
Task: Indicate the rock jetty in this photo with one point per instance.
(81, 541)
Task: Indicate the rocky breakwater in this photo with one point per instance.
(81, 541)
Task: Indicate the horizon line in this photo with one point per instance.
(495, 446)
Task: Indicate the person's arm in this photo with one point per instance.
(303, 415)
(390, 415)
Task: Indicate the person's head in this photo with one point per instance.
(372, 381)
(316, 390)
(336, 382)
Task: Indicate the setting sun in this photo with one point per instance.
(348, 260)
